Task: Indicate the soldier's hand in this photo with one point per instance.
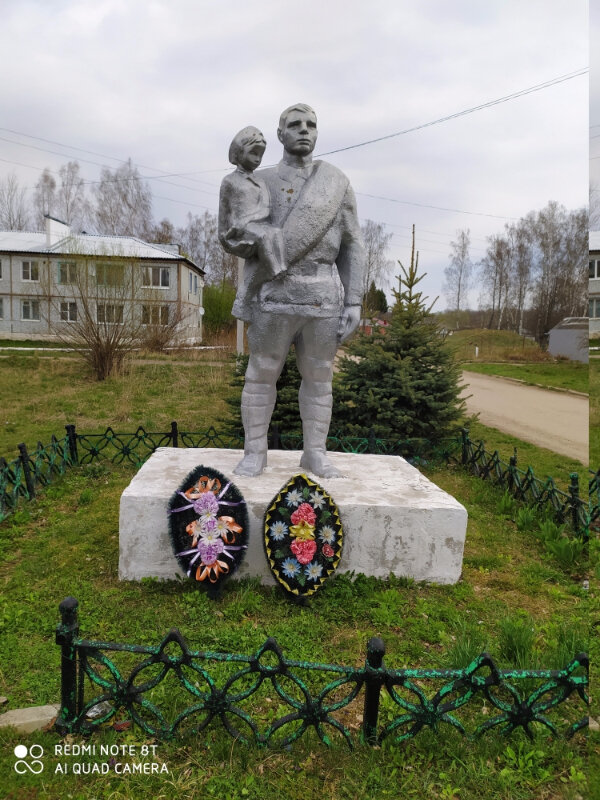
(348, 322)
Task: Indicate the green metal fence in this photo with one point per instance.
(20, 479)
(270, 700)
(565, 507)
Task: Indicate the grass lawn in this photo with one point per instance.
(545, 462)
(560, 375)
(66, 543)
(513, 600)
(495, 346)
(41, 394)
(595, 413)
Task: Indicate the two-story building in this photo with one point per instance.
(53, 278)
(594, 290)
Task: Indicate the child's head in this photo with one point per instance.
(247, 148)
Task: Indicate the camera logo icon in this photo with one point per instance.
(34, 753)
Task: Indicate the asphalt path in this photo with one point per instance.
(556, 420)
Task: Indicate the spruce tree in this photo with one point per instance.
(400, 381)
(286, 414)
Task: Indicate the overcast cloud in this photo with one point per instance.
(170, 82)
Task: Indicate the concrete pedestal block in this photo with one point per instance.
(395, 520)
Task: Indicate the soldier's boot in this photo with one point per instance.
(258, 401)
(315, 412)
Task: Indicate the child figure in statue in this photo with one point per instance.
(244, 208)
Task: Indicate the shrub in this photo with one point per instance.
(400, 381)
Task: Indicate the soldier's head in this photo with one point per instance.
(297, 129)
(247, 148)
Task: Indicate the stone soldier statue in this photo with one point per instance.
(314, 303)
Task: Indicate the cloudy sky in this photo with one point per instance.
(168, 83)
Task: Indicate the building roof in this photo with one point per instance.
(594, 240)
(572, 323)
(88, 244)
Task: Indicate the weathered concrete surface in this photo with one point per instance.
(26, 720)
(395, 520)
(558, 421)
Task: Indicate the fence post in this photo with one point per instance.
(174, 435)
(275, 437)
(372, 441)
(575, 500)
(512, 469)
(66, 632)
(373, 682)
(72, 438)
(464, 450)
(29, 482)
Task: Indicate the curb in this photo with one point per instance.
(533, 385)
(27, 720)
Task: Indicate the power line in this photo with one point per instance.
(521, 93)
(437, 208)
(164, 174)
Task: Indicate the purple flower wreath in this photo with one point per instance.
(208, 525)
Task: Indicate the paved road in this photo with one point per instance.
(558, 421)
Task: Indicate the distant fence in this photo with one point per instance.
(270, 700)
(565, 507)
(20, 479)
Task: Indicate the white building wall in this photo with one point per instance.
(14, 288)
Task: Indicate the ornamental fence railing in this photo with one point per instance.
(270, 700)
(565, 507)
(21, 478)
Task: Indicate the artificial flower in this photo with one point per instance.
(227, 528)
(209, 550)
(278, 531)
(303, 530)
(303, 550)
(204, 484)
(313, 571)
(293, 497)
(328, 551)
(290, 567)
(327, 534)
(210, 535)
(207, 503)
(317, 499)
(191, 531)
(304, 513)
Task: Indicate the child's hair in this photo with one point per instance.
(248, 135)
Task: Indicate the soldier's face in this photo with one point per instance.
(299, 134)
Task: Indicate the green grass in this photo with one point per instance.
(560, 375)
(40, 395)
(544, 462)
(595, 414)
(495, 346)
(66, 543)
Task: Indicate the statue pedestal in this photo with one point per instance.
(395, 520)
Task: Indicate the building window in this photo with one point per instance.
(1, 308)
(0, 269)
(67, 272)
(30, 309)
(30, 271)
(110, 313)
(155, 315)
(110, 275)
(155, 277)
(195, 284)
(594, 307)
(68, 312)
